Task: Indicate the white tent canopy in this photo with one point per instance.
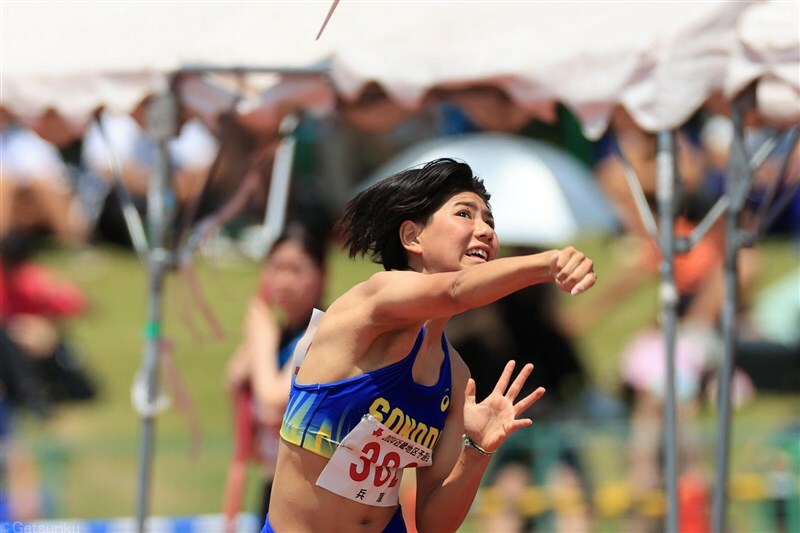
(661, 60)
(505, 62)
(68, 59)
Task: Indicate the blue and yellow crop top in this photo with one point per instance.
(319, 416)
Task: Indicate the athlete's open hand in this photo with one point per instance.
(490, 422)
(572, 271)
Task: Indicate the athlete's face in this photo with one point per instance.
(460, 234)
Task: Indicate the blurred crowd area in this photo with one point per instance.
(72, 192)
(72, 197)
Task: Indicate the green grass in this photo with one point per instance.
(89, 452)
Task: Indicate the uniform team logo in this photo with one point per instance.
(445, 402)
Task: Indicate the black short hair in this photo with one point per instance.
(314, 244)
(371, 221)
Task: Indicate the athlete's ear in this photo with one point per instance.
(409, 236)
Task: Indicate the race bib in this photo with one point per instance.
(368, 464)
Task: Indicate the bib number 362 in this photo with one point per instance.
(370, 454)
(368, 464)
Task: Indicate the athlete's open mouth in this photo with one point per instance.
(478, 252)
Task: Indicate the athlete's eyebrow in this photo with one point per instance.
(468, 203)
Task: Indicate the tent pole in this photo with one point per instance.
(639, 199)
(162, 124)
(738, 184)
(667, 181)
(275, 213)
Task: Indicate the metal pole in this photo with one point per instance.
(162, 118)
(639, 199)
(666, 176)
(129, 213)
(275, 213)
(738, 183)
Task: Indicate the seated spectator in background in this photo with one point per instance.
(700, 269)
(122, 140)
(35, 193)
(259, 375)
(193, 152)
(716, 137)
(700, 286)
(639, 148)
(770, 350)
(37, 366)
(642, 257)
(119, 140)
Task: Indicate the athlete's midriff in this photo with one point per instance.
(299, 505)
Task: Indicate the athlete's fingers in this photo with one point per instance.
(505, 377)
(581, 270)
(519, 382)
(469, 392)
(559, 262)
(522, 405)
(567, 273)
(519, 424)
(587, 282)
(560, 258)
(578, 274)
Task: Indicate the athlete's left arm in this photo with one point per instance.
(446, 489)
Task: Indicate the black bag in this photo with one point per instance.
(20, 382)
(38, 383)
(65, 377)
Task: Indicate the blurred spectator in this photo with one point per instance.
(640, 148)
(700, 286)
(716, 137)
(241, 152)
(698, 273)
(770, 354)
(35, 193)
(642, 258)
(259, 375)
(120, 138)
(776, 312)
(37, 365)
(698, 352)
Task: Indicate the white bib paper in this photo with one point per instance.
(368, 464)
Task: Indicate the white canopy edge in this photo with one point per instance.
(505, 62)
